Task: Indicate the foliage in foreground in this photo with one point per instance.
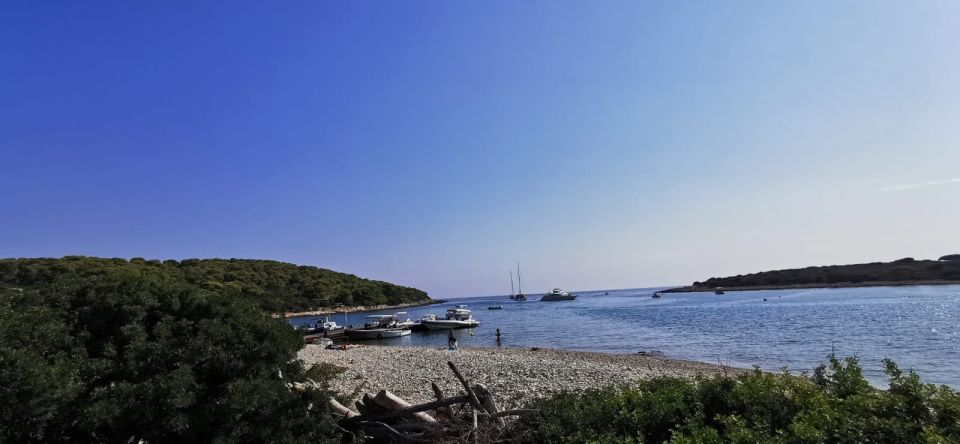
(275, 286)
(146, 357)
(835, 405)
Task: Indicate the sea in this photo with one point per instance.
(918, 327)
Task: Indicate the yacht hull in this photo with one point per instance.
(445, 324)
(551, 297)
(376, 333)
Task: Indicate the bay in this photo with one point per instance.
(916, 326)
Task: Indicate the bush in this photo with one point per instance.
(835, 404)
(145, 357)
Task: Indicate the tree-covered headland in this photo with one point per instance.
(906, 271)
(274, 286)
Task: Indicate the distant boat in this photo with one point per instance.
(718, 290)
(558, 295)
(656, 295)
(495, 307)
(518, 296)
(456, 318)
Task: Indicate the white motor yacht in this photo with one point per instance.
(458, 317)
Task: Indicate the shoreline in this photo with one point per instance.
(515, 376)
(692, 289)
(357, 309)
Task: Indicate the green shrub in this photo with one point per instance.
(146, 357)
(835, 405)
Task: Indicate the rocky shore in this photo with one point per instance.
(514, 375)
(357, 309)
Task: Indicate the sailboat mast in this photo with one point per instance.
(511, 284)
(519, 285)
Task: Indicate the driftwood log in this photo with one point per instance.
(487, 401)
(394, 404)
(445, 411)
(339, 409)
(387, 417)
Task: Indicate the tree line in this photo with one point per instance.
(946, 269)
(275, 286)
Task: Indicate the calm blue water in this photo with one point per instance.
(918, 327)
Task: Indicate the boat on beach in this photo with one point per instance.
(378, 327)
(558, 295)
(458, 317)
(322, 328)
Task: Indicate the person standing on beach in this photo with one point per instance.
(452, 342)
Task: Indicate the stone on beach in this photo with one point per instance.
(514, 375)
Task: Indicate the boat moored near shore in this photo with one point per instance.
(322, 328)
(458, 317)
(378, 327)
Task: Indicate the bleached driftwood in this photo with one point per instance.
(387, 417)
(395, 404)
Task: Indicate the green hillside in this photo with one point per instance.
(276, 286)
(900, 272)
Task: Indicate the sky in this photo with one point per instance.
(436, 144)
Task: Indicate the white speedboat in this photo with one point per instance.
(558, 295)
(458, 317)
(378, 327)
(407, 323)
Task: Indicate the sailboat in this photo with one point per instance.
(517, 296)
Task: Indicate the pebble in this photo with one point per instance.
(515, 376)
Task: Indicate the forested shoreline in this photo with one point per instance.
(274, 286)
(906, 271)
(115, 351)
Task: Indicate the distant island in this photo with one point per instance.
(906, 271)
(276, 287)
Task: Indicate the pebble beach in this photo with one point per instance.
(514, 375)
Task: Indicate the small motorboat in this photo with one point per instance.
(405, 323)
(495, 307)
(656, 295)
(378, 327)
(322, 328)
(718, 290)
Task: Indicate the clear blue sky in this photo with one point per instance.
(435, 143)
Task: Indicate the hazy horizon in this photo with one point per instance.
(616, 145)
